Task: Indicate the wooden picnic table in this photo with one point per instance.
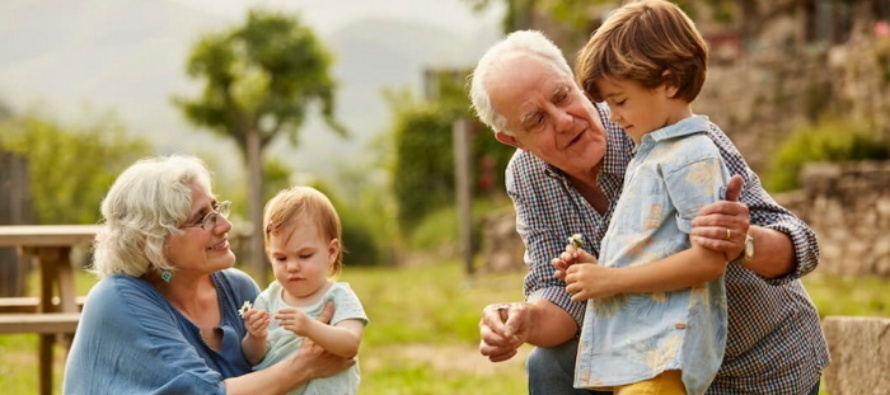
(50, 246)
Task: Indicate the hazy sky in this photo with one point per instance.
(128, 56)
(328, 15)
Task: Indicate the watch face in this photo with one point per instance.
(749, 247)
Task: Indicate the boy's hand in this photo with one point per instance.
(256, 322)
(294, 320)
(572, 255)
(590, 281)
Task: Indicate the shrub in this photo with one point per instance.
(829, 141)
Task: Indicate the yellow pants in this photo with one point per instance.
(670, 382)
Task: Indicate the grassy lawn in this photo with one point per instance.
(423, 333)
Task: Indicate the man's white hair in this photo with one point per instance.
(529, 41)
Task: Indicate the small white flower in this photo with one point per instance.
(577, 240)
(245, 308)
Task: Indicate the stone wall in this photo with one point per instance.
(759, 99)
(860, 355)
(848, 206)
(502, 248)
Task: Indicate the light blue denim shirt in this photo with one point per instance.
(629, 338)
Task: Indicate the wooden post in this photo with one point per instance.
(463, 187)
(15, 209)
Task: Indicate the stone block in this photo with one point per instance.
(860, 355)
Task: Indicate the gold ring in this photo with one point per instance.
(728, 234)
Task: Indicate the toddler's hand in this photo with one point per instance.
(256, 322)
(294, 320)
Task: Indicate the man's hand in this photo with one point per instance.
(722, 226)
(504, 328)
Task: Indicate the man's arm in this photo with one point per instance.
(774, 252)
(788, 251)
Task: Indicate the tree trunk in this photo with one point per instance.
(15, 209)
(256, 259)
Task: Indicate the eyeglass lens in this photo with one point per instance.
(222, 209)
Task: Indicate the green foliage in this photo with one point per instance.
(260, 77)
(847, 295)
(362, 248)
(423, 164)
(439, 228)
(829, 141)
(423, 177)
(71, 168)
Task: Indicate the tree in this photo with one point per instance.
(259, 81)
(70, 169)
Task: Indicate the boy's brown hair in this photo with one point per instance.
(283, 210)
(651, 42)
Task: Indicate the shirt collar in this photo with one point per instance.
(691, 125)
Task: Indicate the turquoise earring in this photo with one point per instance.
(166, 275)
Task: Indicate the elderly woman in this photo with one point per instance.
(165, 316)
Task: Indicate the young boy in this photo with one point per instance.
(648, 63)
(302, 234)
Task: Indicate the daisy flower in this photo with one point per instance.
(577, 240)
(245, 308)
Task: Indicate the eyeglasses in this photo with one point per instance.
(207, 223)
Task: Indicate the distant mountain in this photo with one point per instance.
(373, 54)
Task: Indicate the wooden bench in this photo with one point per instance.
(41, 323)
(30, 304)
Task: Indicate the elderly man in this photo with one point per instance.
(565, 179)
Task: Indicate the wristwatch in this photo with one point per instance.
(748, 253)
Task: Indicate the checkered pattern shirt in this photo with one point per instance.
(774, 344)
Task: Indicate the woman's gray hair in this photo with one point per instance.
(148, 202)
(529, 41)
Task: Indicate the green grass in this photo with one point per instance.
(423, 334)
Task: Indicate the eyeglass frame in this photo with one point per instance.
(222, 209)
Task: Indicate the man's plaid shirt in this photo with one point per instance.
(775, 343)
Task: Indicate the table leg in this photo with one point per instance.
(46, 364)
(55, 274)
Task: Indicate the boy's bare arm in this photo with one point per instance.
(684, 269)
